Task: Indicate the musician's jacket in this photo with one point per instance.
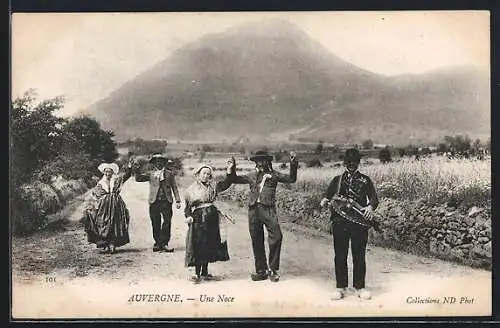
(161, 185)
(356, 186)
(265, 194)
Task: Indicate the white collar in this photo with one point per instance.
(105, 185)
(351, 174)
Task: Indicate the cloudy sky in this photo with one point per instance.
(87, 56)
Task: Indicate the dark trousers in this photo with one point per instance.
(202, 269)
(260, 216)
(343, 232)
(161, 230)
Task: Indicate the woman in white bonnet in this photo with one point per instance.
(108, 219)
(203, 241)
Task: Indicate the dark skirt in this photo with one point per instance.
(203, 241)
(109, 223)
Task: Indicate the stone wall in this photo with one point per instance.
(439, 231)
(444, 232)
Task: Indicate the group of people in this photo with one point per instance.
(107, 217)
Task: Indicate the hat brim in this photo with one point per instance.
(352, 159)
(197, 170)
(261, 158)
(158, 159)
(112, 166)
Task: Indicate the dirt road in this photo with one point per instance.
(57, 274)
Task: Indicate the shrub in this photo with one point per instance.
(174, 164)
(44, 146)
(385, 155)
(75, 167)
(31, 204)
(24, 216)
(315, 162)
(67, 189)
(145, 147)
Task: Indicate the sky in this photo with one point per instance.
(86, 56)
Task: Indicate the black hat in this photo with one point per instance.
(352, 155)
(261, 155)
(158, 157)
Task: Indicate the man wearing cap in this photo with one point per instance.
(262, 212)
(352, 184)
(161, 187)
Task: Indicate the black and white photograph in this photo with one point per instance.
(250, 165)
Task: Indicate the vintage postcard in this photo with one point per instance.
(250, 165)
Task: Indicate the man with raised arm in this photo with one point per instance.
(262, 212)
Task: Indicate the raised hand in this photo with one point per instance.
(231, 163)
(324, 202)
(131, 162)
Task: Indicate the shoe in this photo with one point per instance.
(167, 249)
(274, 275)
(337, 294)
(112, 249)
(156, 248)
(259, 276)
(104, 250)
(208, 277)
(195, 278)
(364, 294)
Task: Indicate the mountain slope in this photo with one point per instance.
(258, 79)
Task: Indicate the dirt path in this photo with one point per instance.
(89, 284)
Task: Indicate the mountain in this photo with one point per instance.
(270, 79)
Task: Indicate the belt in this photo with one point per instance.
(202, 205)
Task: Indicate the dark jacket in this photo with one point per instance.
(357, 186)
(168, 185)
(268, 194)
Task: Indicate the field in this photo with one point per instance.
(435, 179)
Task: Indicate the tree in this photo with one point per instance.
(442, 148)
(314, 162)
(476, 145)
(92, 140)
(402, 151)
(385, 155)
(278, 156)
(411, 151)
(367, 144)
(34, 134)
(38, 138)
(426, 151)
(459, 143)
(43, 145)
(319, 147)
(207, 148)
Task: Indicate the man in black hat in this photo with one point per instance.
(262, 212)
(359, 187)
(161, 187)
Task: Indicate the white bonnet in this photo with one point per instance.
(202, 166)
(113, 166)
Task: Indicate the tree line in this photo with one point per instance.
(43, 145)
